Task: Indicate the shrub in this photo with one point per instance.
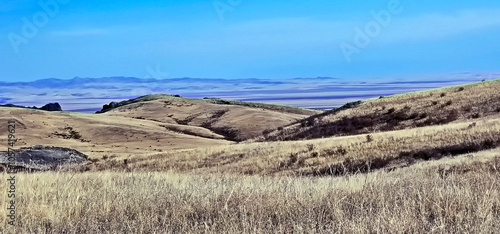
(414, 115)
(476, 115)
(266, 132)
(303, 124)
(423, 115)
(452, 115)
(293, 159)
(390, 111)
(341, 150)
(369, 138)
(442, 94)
(310, 147)
(461, 89)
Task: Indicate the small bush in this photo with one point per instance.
(390, 111)
(442, 95)
(452, 115)
(434, 103)
(369, 138)
(293, 159)
(266, 132)
(461, 89)
(472, 125)
(476, 115)
(413, 115)
(310, 147)
(341, 150)
(423, 115)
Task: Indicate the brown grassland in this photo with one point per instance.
(401, 164)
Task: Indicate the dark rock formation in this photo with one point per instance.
(43, 158)
(108, 107)
(51, 107)
(47, 107)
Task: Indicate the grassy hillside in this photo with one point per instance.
(213, 100)
(100, 136)
(403, 111)
(236, 121)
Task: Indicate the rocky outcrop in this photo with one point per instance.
(108, 107)
(48, 107)
(43, 158)
(51, 107)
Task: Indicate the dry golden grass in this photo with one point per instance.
(320, 155)
(461, 197)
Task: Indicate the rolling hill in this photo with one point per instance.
(460, 103)
(236, 121)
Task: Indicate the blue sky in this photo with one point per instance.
(241, 39)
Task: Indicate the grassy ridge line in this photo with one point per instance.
(445, 88)
(402, 111)
(274, 107)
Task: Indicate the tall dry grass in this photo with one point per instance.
(463, 197)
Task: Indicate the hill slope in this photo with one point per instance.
(234, 120)
(403, 111)
(98, 135)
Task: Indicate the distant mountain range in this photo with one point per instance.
(90, 94)
(78, 82)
